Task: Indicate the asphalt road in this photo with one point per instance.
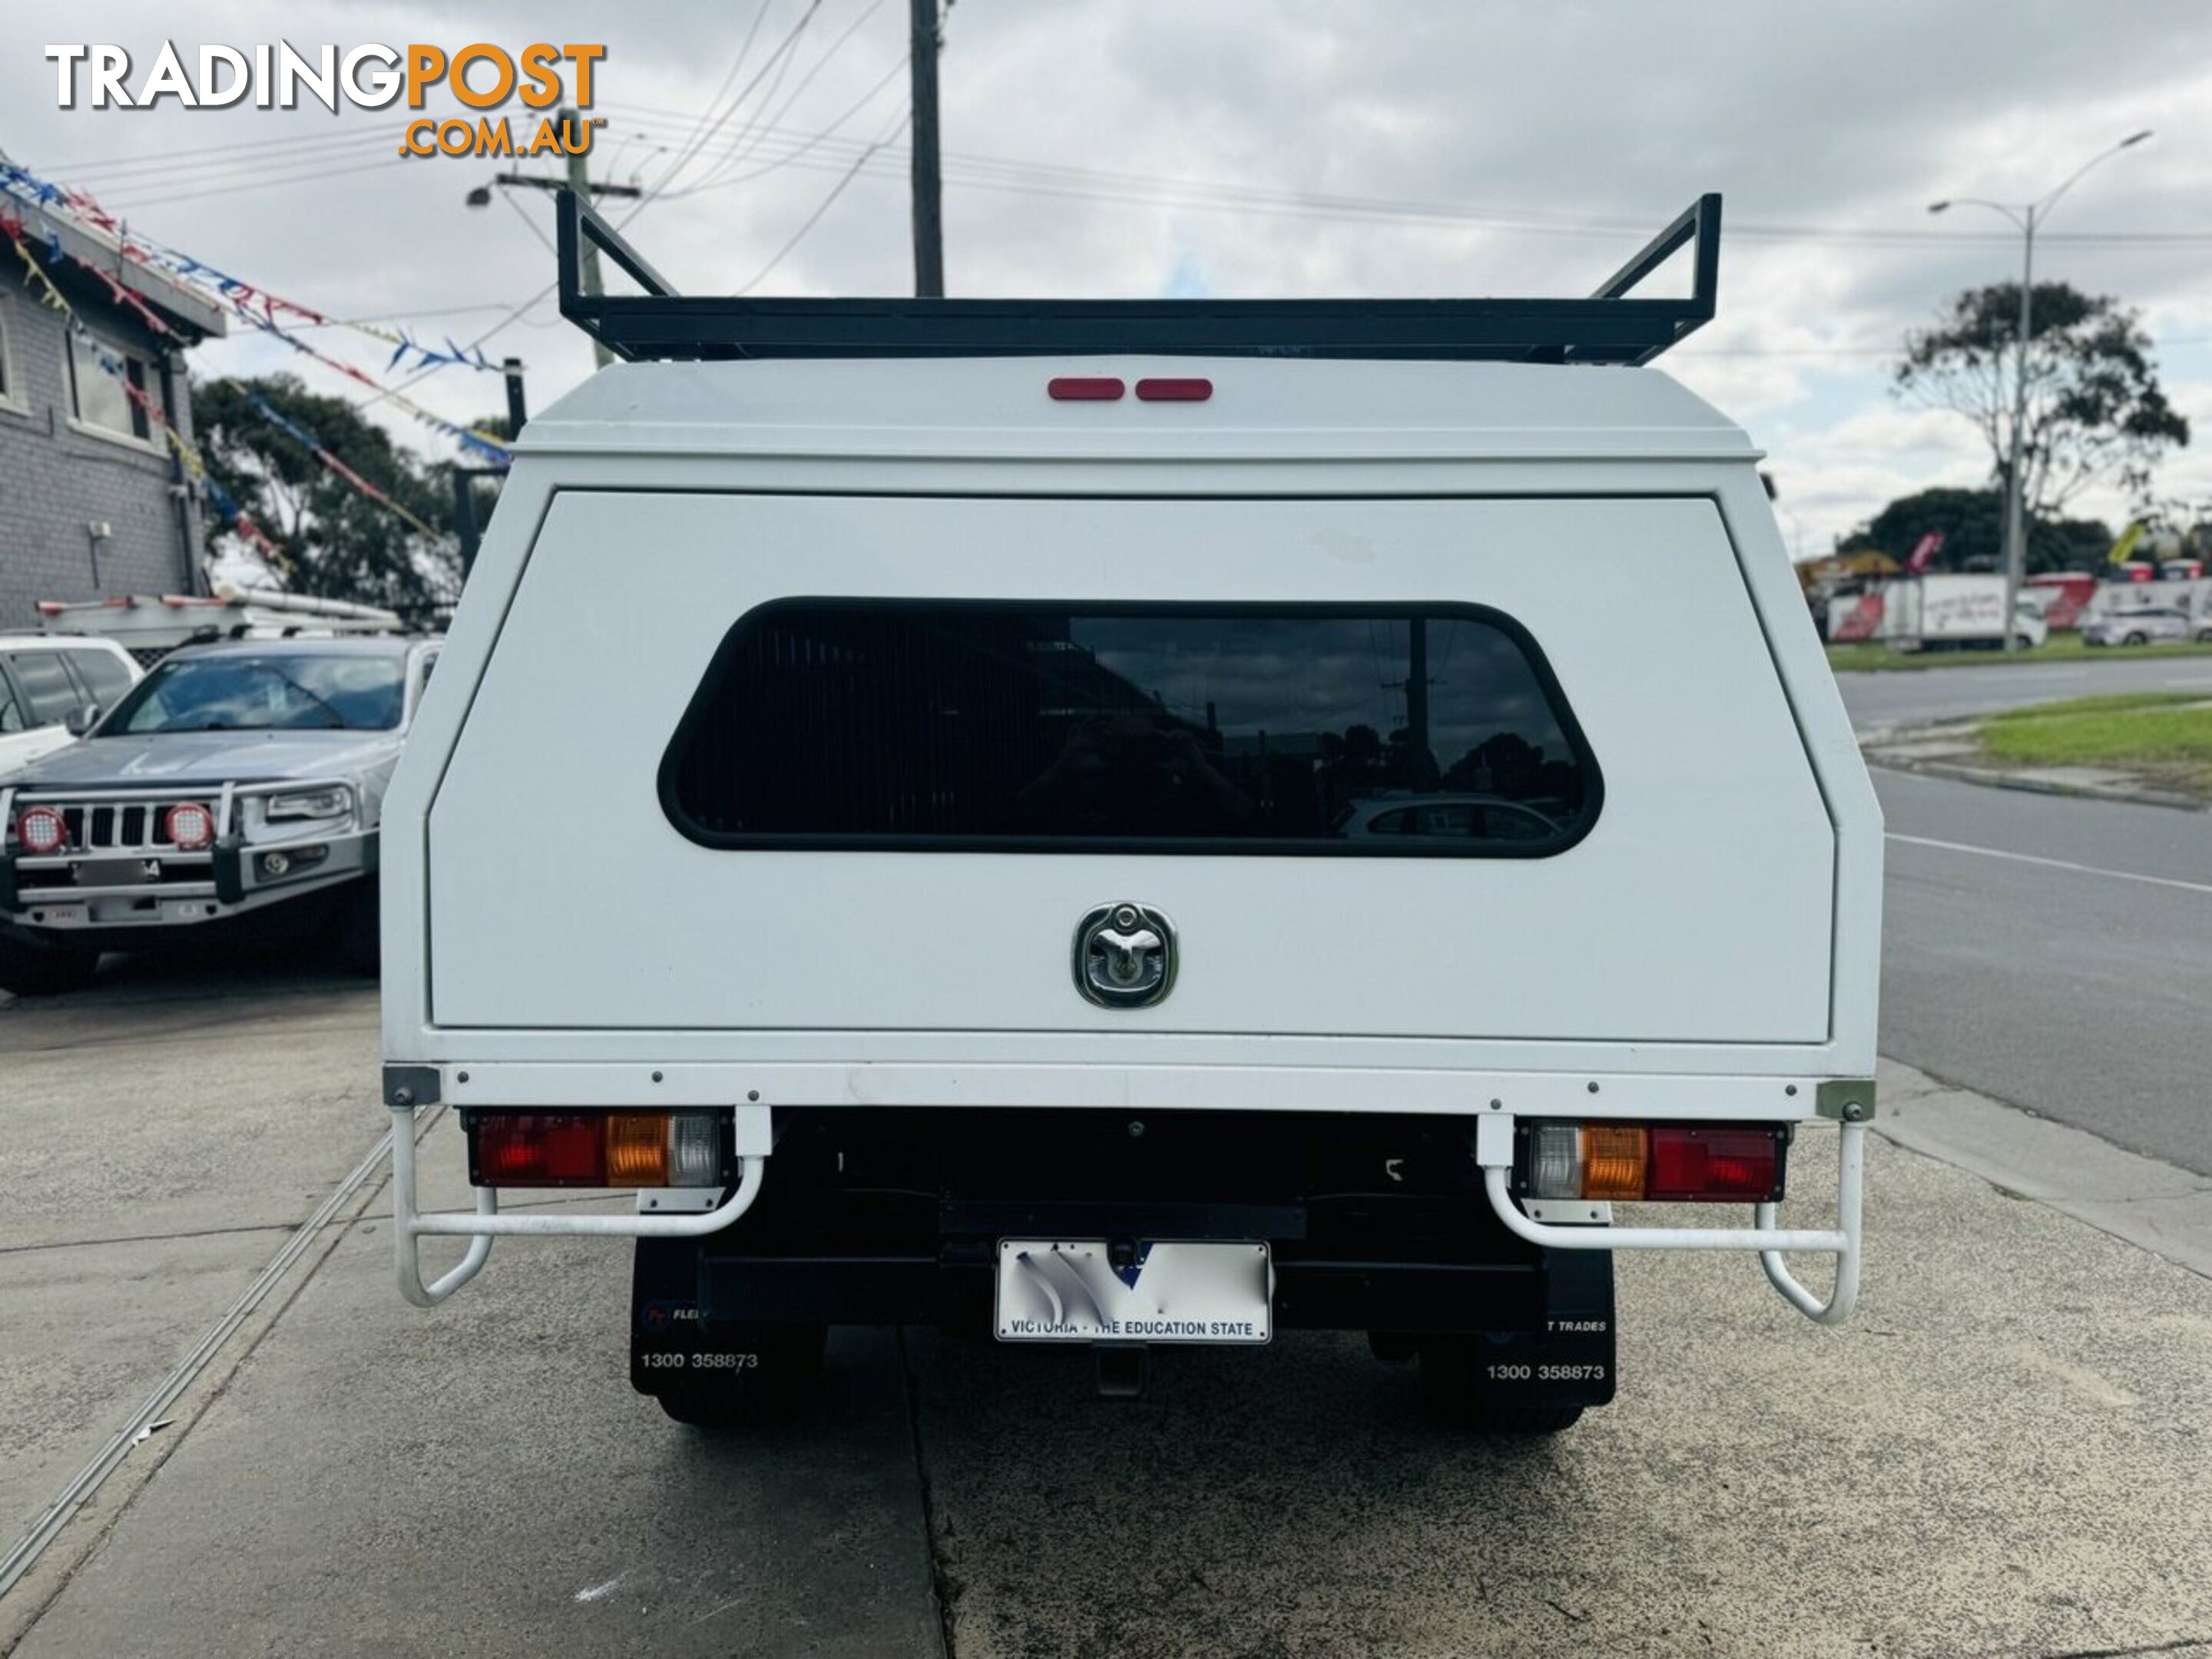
(2053, 952)
(1932, 694)
(2056, 953)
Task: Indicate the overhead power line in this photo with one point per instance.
(815, 217)
(80, 169)
(990, 171)
(684, 159)
(791, 154)
(769, 120)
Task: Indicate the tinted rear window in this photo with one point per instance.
(952, 725)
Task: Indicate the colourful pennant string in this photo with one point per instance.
(257, 305)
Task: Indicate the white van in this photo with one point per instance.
(52, 688)
(940, 906)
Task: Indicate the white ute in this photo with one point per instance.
(1134, 823)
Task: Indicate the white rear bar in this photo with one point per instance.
(409, 1225)
(1494, 1152)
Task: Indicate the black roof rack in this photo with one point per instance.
(1609, 327)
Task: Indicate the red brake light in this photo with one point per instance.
(1085, 389)
(621, 1148)
(540, 1149)
(42, 829)
(1175, 392)
(1744, 1164)
(190, 824)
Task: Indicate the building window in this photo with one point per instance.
(97, 398)
(11, 389)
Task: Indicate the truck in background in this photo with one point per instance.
(1939, 611)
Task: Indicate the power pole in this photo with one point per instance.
(580, 180)
(517, 411)
(928, 191)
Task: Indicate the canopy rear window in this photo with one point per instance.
(1428, 731)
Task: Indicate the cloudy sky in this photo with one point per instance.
(1243, 147)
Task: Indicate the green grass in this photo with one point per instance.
(1867, 657)
(2162, 735)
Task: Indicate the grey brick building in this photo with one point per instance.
(93, 502)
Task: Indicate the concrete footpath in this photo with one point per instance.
(2004, 1453)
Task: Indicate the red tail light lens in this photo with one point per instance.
(191, 825)
(1175, 392)
(42, 829)
(596, 1149)
(1742, 1164)
(540, 1149)
(1668, 1162)
(1085, 389)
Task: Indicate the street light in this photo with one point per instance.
(2026, 215)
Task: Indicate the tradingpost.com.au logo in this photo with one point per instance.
(278, 76)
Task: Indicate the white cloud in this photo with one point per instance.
(1546, 114)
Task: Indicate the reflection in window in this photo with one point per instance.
(1289, 729)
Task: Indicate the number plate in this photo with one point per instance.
(1069, 1290)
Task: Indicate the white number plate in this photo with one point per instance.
(1069, 1290)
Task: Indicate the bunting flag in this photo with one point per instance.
(242, 296)
(257, 305)
(194, 463)
(315, 446)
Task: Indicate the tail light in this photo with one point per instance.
(189, 824)
(42, 829)
(597, 1149)
(1670, 1163)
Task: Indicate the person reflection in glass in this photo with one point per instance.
(1134, 773)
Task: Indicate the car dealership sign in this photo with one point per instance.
(372, 76)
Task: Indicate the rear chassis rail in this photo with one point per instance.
(889, 1259)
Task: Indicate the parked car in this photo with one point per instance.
(51, 689)
(2152, 625)
(237, 788)
(942, 916)
(1462, 817)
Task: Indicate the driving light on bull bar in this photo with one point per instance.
(595, 1149)
(1673, 1162)
(42, 829)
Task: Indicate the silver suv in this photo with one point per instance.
(237, 788)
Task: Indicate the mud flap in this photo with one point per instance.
(673, 1352)
(1571, 1362)
(664, 1324)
